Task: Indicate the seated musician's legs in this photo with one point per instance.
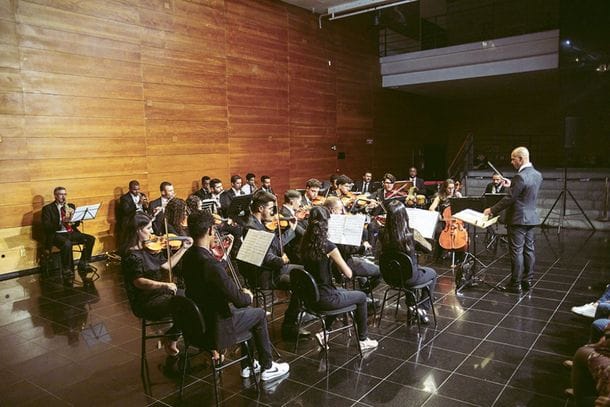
(343, 298)
(365, 269)
(64, 244)
(158, 308)
(425, 275)
(87, 241)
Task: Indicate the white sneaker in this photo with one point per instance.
(245, 372)
(368, 343)
(276, 370)
(587, 310)
(320, 338)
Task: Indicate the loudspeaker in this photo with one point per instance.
(572, 131)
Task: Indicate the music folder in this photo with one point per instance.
(240, 206)
(475, 218)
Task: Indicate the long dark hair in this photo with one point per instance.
(314, 239)
(130, 233)
(175, 213)
(397, 234)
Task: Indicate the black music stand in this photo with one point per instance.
(467, 276)
(240, 206)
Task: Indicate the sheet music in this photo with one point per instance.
(255, 246)
(423, 221)
(85, 212)
(346, 229)
(475, 218)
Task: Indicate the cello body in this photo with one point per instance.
(454, 236)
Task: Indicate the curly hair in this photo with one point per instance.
(314, 239)
(175, 213)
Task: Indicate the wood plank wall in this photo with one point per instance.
(96, 93)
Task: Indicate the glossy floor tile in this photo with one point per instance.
(67, 343)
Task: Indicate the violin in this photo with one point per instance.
(454, 236)
(157, 243)
(281, 221)
(318, 201)
(218, 220)
(221, 246)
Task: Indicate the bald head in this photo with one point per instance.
(519, 156)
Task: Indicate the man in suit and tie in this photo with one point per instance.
(366, 185)
(157, 206)
(418, 182)
(62, 233)
(130, 203)
(204, 192)
(227, 196)
(496, 185)
(521, 218)
(266, 184)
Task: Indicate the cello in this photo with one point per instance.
(454, 236)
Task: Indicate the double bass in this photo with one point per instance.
(454, 236)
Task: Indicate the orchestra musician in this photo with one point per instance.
(318, 253)
(204, 191)
(227, 196)
(397, 235)
(266, 184)
(367, 272)
(496, 186)
(130, 203)
(331, 186)
(274, 271)
(62, 233)
(441, 200)
(216, 191)
(193, 204)
(292, 202)
(418, 182)
(157, 206)
(175, 214)
(310, 197)
(211, 288)
(143, 270)
(366, 185)
(250, 186)
(386, 192)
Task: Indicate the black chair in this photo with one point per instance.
(50, 259)
(188, 318)
(305, 287)
(396, 270)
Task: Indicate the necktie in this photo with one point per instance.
(63, 215)
(366, 187)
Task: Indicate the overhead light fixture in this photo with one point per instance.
(358, 7)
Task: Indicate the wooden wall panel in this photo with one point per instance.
(94, 94)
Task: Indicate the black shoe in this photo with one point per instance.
(526, 285)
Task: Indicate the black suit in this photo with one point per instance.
(210, 287)
(521, 218)
(52, 226)
(225, 200)
(370, 188)
(492, 189)
(203, 194)
(125, 210)
(159, 219)
(419, 184)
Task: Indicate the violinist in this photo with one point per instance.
(211, 288)
(62, 233)
(193, 204)
(266, 184)
(175, 214)
(142, 269)
(331, 187)
(204, 192)
(387, 190)
(157, 206)
(292, 202)
(216, 191)
(310, 197)
(366, 186)
(397, 235)
(274, 271)
(362, 268)
(130, 203)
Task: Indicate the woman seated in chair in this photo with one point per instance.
(142, 269)
(317, 253)
(397, 235)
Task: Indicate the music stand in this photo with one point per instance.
(490, 200)
(209, 205)
(477, 204)
(240, 206)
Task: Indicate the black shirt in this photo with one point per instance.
(321, 269)
(142, 263)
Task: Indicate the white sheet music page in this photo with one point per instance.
(255, 246)
(86, 212)
(424, 221)
(475, 218)
(346, 229)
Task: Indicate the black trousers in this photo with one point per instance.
(64, 242)
(254, 320)
(340, 298)
(522, 257)
(158, 308)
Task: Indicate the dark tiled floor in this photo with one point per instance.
(80, 345)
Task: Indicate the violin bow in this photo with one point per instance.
(397, 191)
(279, 229)
(169, 250)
